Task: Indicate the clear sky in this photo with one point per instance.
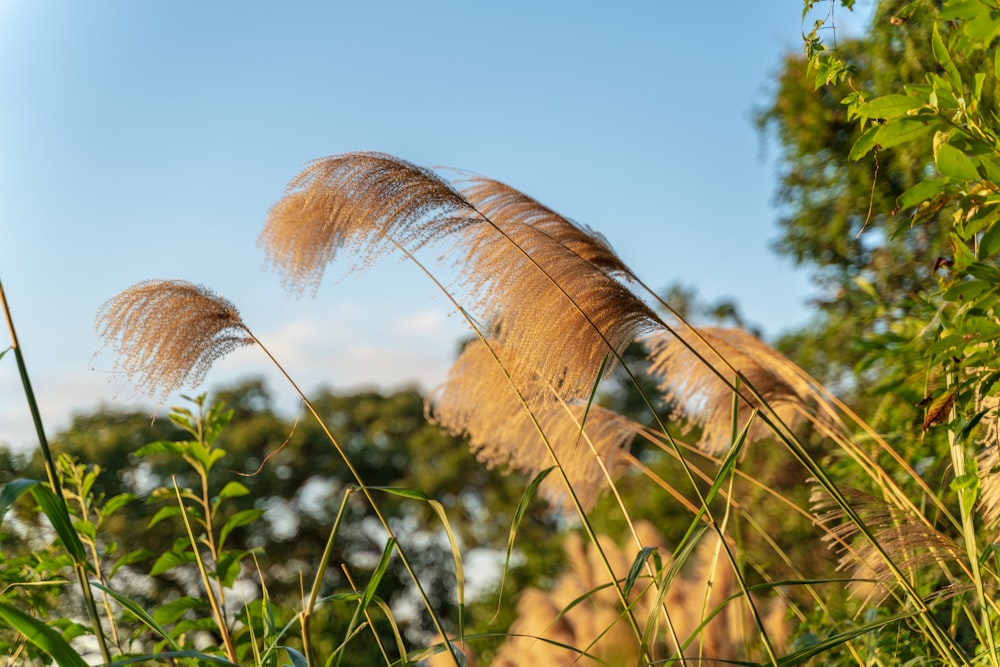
(145, 140)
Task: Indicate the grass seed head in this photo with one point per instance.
(166, 334)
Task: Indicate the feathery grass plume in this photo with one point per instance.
(478, 400)
(908, 541)
(989, 481)
(535, 287)
(578, 613)
(989, 460)
(701, 397)
(499, 201)
(166, 334)
(362, 203)
(539, 289)
(581, 611)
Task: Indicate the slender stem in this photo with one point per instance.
(365, 490)
(80, 568)
(209, 590)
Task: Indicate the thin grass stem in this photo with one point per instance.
(80, 568)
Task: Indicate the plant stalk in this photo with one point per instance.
(80, 568)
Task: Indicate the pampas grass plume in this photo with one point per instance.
(166, 334)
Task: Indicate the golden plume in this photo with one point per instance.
(898, 532)
(498, 202)
(479, 400)
(534, 288)
(696, 376)
(988, 461)
(362, 203)
(166, 334)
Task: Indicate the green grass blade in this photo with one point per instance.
(42, 636)
(380, 570)
(55, 510)
(12, 491)
(825, 645)
(522, 506)
(637, 566)
(141, 614)
(167, 657)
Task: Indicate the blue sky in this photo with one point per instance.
(147, 140)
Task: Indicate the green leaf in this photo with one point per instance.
(233, 490)
(172, 611)
(903, 130)
(966, 291)
(135, 556)
(12, 491)
(241, 518)
(923, 191)
(952, 162)
(198, 656)
(378, 574)
(636, 569)
(161, 447)
(164, 513)
(298, 660)
(960, 9)
(969, 480)
(115, 503)
(41, 635)
(944, 58)
(55, 510)
(984, 26)
(417, 494)
(522, 507)
(889, 106)
(228, 567)
(85, 528)
(169, 560)
(989, 243)
(990, 166)
(865, 143)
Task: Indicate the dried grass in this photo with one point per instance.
(533, 281)
(479, 400)
(166, 334)
(905, 538)
(696, 376)
(582, 612)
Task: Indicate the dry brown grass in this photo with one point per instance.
(166, 334)
(697, 376)
(479, 400)
(581, 612)
(526, 277)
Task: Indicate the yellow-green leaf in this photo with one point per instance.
(943, 58)
(952, 162)
(889, 106)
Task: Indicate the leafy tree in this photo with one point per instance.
(289, 470)
(841, 217)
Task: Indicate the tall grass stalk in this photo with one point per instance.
(79, 564)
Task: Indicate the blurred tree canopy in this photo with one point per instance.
(296, 477)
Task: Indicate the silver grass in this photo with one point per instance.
(478, 400)
(166, 334)
(696, 376)
(576, 612)
(527, 277)
(904, 537)
(358, 203)
(498, 201)
(988, 464)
